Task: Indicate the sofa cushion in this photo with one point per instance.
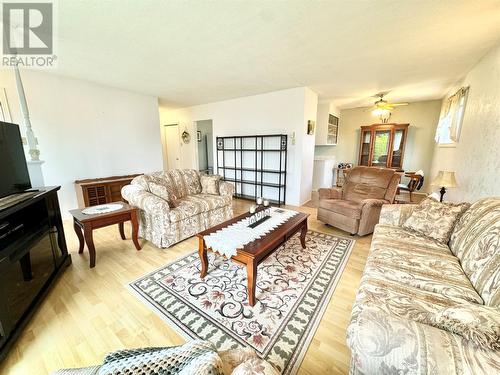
(396, 236)
(347, 208)
(436, 273)
(418, 261)
(400, 300)
(367, 183)
(196, 204)
(476, 242)
(477, 323)
(435, 219)
(210, 184)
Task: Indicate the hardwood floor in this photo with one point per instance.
(90, 312)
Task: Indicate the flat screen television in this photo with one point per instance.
(14, 177)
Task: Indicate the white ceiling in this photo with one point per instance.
(193, 52)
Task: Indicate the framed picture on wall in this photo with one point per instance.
(310, 127)
(198, 135)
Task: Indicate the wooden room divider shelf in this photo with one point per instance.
(253, 163)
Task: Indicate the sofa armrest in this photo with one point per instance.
(395, 214)
(146, 201)
(382, 344)
(366, 204)
(330, 193)
(226, 188)
(370, 215)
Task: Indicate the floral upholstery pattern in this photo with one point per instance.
(165, 223)
(480, 324)
(388, 344)
(396, 214)
(210, 184)
(255, 366)
(232, 358)
(163, 192)
(416, 307)
(435, 219)
(476, 242)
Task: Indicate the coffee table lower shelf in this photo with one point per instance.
(254, 253)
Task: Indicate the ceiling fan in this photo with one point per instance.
(381, 103)
(382, 108)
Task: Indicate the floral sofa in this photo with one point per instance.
(428, 307)
(173, 205)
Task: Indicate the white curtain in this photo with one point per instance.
(451, 116)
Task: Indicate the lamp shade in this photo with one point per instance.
(445, 179)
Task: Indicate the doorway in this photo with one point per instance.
(204, 137)
(173, 146)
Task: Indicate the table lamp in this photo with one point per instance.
(445, 179)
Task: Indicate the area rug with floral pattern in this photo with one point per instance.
(294, 286)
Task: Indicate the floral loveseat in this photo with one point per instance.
(427, 307)
(173, 205)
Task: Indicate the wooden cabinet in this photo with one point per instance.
(383, 145)
(92, 192)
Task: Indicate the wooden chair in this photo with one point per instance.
(415, 183)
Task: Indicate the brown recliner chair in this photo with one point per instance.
(356, 206)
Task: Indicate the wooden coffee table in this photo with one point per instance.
(87, 223)
(254, 253)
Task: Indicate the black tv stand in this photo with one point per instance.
(33, 254)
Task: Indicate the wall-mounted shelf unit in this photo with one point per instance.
(255, 164)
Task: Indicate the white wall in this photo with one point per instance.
(87, 130)
(308, 142)
(476, 157)
(277, 112)
(422, 117)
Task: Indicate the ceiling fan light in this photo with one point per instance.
(382, 113)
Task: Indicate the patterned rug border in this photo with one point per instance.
(316, 320)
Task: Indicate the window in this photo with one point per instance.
(451, 117)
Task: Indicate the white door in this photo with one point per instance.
(172, 142)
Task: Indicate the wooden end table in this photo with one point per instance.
(87, 223)
(255, 252)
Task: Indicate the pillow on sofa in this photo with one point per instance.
(477, 323)
(164, 193)
(435, 219)
(210, 184)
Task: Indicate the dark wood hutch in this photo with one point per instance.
(383, 145)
